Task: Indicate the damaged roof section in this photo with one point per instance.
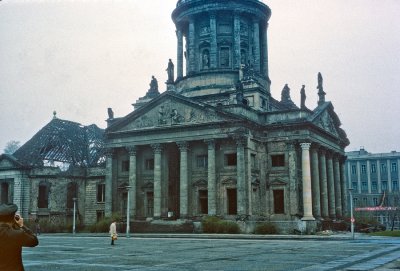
(64, 142)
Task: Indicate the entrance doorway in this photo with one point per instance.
(149, 204)
(231, 194)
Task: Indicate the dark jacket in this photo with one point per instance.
(12, 239)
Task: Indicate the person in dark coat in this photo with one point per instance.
(13, 236)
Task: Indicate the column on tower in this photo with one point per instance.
(264, 46)
(213, 40)
(191, 47)
(256, 44)
(306, 177)
(344, 185)
(179, 68)
(236, 40)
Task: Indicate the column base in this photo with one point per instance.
(307, 218)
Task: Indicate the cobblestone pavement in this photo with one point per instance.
(202, 252)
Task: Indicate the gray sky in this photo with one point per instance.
(81, 57)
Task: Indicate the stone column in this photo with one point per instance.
(256, 42)
(192, 47)
(236, 40)
(183, 189)
(241, 177)
(338, 187)
(331, 187)
(109, 183)
(306, 177)
(213, 41)
(323, 184)
(292, 194)
(212, 186)
(179, 68)
(132, 179)
(316, 193)
(344, 185)
(157, 179)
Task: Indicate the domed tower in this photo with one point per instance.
(218, 43)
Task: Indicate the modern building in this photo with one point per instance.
(216, 142)
(374, 179)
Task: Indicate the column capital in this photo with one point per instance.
(240, 141)
(305, 146)
(210, 143)
(109, 152)
(183, 145)
(131, 150)
(157, 148)
(212, 14)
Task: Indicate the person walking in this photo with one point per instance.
(13, 236)
(113, 232)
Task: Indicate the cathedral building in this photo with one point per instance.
(216, 142)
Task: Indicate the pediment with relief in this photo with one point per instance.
(326, 122)
(170, 112)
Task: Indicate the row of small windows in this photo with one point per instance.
(374, 186)
(230, 159)
(393, 168)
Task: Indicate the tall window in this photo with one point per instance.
(253, 161)
(365, 202)
(230, 159)
(364, 186)
(125, 166)
(232, 201)
(374, 186)
(384, 185)
(278, 160)
(224, 57)
(101, 193)
(375, 200)
(355, 202)
(72, 192)
(373, 168)
(383, 168)
(395, 185)
(394, 167)
(149, 164)
(201, 161)
(363, 169)
(43, 199)
(353, 169)
(279, 201)
(354, 185)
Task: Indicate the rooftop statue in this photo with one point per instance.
(153, 84)
(303, 97)
(170, 71)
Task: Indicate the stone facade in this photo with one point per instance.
(216, 142)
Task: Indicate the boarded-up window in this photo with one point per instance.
(72, 192)
(232, 201)
(125, 166)
(43, 199)
(279, 202)
(230, 159)
(278, 160)
(4, 192)
(203, 201)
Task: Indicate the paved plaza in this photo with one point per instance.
(211, 252)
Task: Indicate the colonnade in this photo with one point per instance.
(324, 185)
(184, 179)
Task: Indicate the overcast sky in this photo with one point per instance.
(79, 57)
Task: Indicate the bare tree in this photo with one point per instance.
(12, 146)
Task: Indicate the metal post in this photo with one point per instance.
(128, 218)
(73, 219)
(351, 213)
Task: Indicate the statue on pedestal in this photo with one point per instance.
(170, 71)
